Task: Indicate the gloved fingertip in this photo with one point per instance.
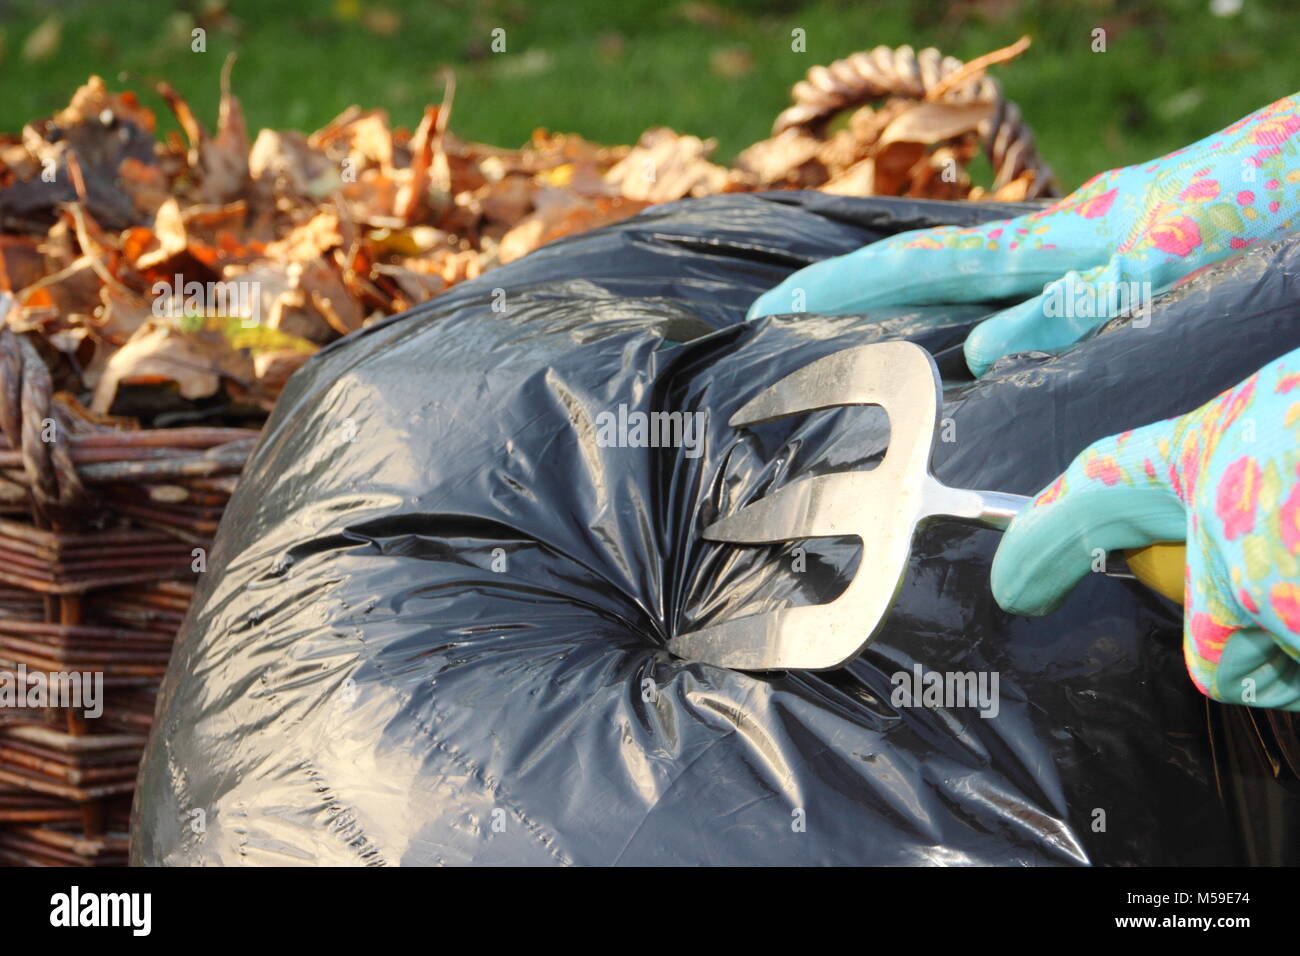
(979, 355)
(1035, 567)
(758, 308)
(1018, 328)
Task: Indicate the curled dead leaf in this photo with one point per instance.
(931, 123)
(665, 166)
(159, 352)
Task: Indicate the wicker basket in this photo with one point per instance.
(102, 532)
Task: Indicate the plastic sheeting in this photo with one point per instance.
(432, 627)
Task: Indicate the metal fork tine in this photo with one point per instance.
(799, 510)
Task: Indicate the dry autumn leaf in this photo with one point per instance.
(930, 123)
(159, 352)
(665, 166)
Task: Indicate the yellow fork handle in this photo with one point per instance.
(1160, 567)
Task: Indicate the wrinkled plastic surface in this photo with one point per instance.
(432, 626)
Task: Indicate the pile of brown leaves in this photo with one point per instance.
(111, 240)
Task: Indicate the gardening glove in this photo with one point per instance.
(1225, 478)
(1104, 249)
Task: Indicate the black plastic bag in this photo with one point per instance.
(432, 627)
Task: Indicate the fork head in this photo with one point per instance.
(881, 507)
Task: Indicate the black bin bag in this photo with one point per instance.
(432, 627)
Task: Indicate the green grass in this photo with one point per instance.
(607, 69)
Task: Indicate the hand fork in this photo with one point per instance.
(882, 507)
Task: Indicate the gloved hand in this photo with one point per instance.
(1113, 243)
(1226, 478)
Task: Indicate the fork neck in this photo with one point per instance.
(990, 509)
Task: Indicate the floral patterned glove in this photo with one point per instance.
(1226, 478)
(1106, 248)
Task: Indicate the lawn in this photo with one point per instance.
(1171, 71)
